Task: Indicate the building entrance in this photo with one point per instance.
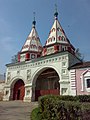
(47, 83)
(18, 90)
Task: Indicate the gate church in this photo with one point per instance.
(41, 70)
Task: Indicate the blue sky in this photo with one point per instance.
(16, 18)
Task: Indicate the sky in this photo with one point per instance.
(16, 18)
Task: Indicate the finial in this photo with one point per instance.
(56, 13)
(55, 7)
(34, 22)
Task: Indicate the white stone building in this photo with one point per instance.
(41, 70)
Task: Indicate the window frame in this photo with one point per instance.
(87, 88)
(88, 83)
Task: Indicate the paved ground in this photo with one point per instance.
(16, 110)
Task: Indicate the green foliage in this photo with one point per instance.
(57, 97)
(53, 107)
(79, 98)
(85, 107)
(83, 98)
(35, 114)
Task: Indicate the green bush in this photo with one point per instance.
(35, 114)
(53, 107)
(79, 98)
(57, 97)
(83, 98)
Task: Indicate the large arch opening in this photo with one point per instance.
(18, 90)
(47, 83)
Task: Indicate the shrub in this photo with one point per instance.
(51, 108)
(79, 98)
(83, 98)
(35, 114)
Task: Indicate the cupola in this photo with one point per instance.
(32, 47)
(57, 40)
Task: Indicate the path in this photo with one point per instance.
(16, 110)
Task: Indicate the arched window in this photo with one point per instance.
(53, 29)
(63, 39)
(53, 38)
(59, 37)
(58, 29)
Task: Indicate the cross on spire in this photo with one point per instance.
(34, 15)
(56, 13)
(55, 7)
(34, 22)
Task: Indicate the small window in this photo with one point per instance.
(63, 90)
(33, 56)
(63, 49)
(7, 92)
(58, 29)
(59, 37)
(46, 60)
(88, 83)
(18, 72)
(62, 38)
(53, 38)
(64, 64)
(50, 60)
(56, 59)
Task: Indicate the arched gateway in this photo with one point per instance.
(18, 90)
(47, 82)
(42, 67)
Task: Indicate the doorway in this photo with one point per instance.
(47, 83)
(18, 90)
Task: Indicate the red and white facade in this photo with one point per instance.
(44, 70)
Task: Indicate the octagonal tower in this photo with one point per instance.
(32, 47)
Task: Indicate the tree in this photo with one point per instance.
(79, 55)
(14, 59)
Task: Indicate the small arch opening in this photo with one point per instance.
(17, 90)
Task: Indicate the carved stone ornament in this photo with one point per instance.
(28, 74)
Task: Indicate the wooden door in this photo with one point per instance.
(18, 90)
